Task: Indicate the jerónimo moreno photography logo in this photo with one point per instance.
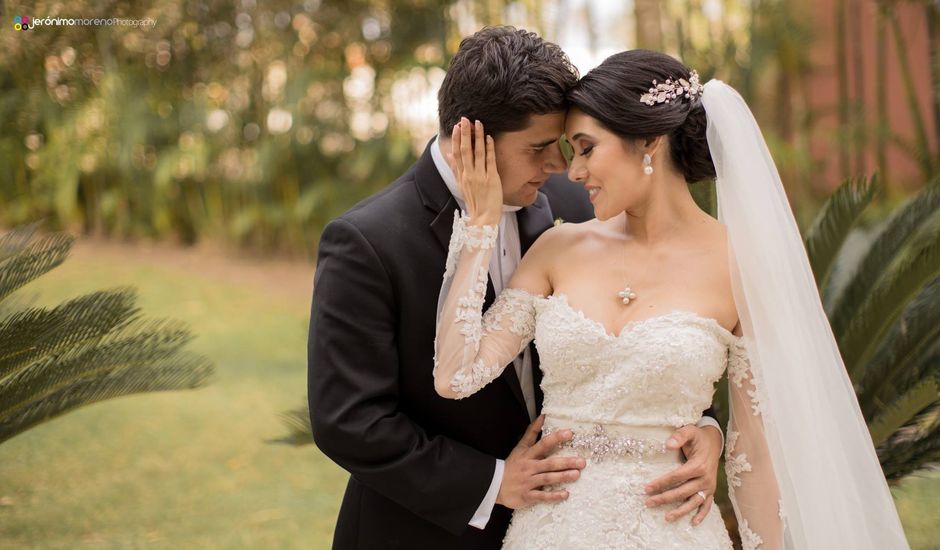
(22, 22)
(25, 22)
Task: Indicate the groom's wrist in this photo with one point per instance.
(710, 422)
(482, 515)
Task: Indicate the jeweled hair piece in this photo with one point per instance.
(665, 92)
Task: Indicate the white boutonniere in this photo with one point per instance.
(559, 221)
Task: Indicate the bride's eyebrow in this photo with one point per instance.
(579, 135)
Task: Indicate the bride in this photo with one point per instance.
(638, 313)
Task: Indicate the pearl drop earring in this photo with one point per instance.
(647, 164)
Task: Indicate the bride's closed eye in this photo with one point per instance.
(586, 151)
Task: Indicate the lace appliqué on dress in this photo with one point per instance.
(512, 312)
(512, 303)
(468, 381)
(468, 310)
(465, 235)
(518, 305)
(739, 372)
(749, 539)
(735, 464)
(754, 494)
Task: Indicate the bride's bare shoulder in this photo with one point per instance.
(714, 235)
(565, 235)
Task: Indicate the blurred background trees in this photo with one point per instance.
(252, 124)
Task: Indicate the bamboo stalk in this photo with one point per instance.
(858, 65)
(910, 93)
(843, 89)
(881, 99)
(933, 21)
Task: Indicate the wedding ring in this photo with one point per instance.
(702, 494)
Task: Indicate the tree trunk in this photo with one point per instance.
(883, 128)
(842, 68)
(648, 18)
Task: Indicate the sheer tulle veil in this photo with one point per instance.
(833, 492)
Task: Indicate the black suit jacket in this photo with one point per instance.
(419, 464)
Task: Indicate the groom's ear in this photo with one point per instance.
(445, 144)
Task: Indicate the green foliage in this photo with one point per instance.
(235, 122)
(298, 422)
(833, 223)
(884, 318)
(88, 349)
(913, 447)
(905, 221)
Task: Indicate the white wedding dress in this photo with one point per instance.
(622, 395)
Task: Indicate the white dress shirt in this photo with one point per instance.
(502, 265)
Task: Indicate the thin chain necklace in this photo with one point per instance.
(627, 295)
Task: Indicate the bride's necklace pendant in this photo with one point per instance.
(627, 295)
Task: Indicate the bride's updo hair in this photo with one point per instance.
(611, 94)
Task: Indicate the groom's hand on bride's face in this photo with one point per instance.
(527, 469)
(699, 474)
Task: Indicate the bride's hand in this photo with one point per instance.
(475, 160)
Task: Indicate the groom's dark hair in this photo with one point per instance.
(500, 76)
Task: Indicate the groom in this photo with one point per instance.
(428, 472)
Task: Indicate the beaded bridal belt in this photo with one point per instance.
(600, 442)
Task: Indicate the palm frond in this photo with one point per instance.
(886, 301)
(833, 223)
(298, 424)
(35, 332)
(913, 447)
(904, 223)
(30, 261)
(184, 371)
(899, 413)
(16, 240)
(926, 365)
(901, 359)
(154, 342)
(88, 349)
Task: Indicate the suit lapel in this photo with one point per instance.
(533, 221)
(443, 223)
(436, 197)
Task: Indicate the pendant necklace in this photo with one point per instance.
(626, 295)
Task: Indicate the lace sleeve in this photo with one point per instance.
(472, 349)
(752, 485)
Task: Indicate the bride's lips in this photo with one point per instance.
(592, 192)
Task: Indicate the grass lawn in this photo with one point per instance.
(200, 469)
(189, 469)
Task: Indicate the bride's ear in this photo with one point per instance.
(650, 146)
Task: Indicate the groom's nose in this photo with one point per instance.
(554, 161)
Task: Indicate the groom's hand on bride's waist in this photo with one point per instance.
(527, 469)
(691, 485)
